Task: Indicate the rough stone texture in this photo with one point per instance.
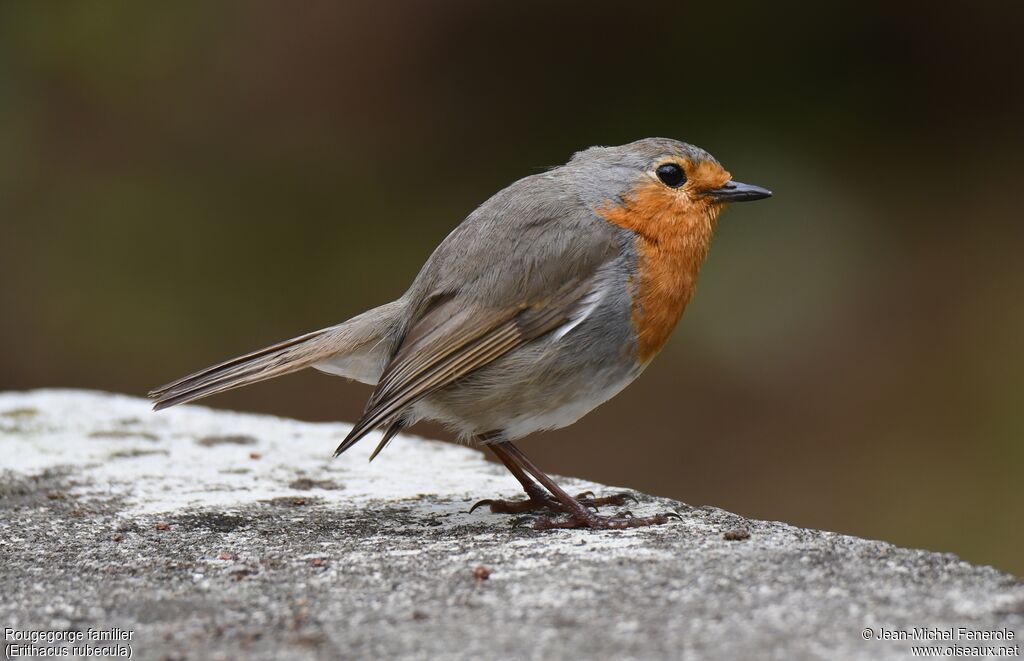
(215, 535)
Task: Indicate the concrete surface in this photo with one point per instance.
(201, 534)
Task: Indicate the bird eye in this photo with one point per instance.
(671, 175)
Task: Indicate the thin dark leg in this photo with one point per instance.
(579, 515)
(532, 489)
(539, 498)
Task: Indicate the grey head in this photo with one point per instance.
(600, 174)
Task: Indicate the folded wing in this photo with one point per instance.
(452, 340)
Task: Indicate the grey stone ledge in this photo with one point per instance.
(218, 535)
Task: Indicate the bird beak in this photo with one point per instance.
(735, 191)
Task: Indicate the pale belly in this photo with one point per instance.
(518, 414)
(565, 414)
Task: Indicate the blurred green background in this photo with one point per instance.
(183, 182)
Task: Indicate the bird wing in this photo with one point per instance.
(521, 265)
(453, 339)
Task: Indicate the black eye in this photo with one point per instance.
(671, 175)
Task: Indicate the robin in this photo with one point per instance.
(546, 301)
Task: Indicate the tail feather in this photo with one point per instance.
(362, 336)
(283, 358)
(393, 429)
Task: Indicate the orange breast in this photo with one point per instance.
(673, 236)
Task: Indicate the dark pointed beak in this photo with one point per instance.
(735, 191)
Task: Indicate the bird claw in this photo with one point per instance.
(480, 503)
(673, 515)
(540, 501)
(531, 504)
(589, 499)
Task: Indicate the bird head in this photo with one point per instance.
(657, 183)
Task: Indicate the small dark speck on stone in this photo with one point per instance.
(305, 483)
(212, 521)
(123, 433)
(57, 495)
(135, 452)
(118, 537)
(230, 439)
(255, 455)
(563, 621)
(481, 573)
(420, 615)
(162, 526)
(292, 501)
(20, 413)
(736, 535)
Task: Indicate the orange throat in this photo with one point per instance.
(673, 234)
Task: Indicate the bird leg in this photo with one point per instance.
(539, 498)
(578, 513)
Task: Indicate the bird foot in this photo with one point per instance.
(542, 501)
(617, 522)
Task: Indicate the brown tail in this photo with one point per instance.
(364, 337)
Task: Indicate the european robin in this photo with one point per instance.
(546, 301)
